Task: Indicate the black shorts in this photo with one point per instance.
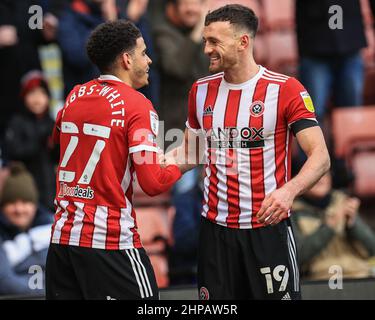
(247, 263)
(85, 273)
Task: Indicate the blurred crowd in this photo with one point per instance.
(337, 67)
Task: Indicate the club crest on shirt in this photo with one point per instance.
(154, 123)
(307, 101)
(257, 108)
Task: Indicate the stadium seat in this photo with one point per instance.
(155, 230)
(351, 126)
(253, 4)
(282, 51)
(278, 15)
(353, 131)
(363, 166)
(260, 50)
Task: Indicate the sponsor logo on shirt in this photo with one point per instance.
(236, 138)
(77, 191)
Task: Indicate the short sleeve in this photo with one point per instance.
(143, 127)
(192, 121)
(296, 102)
(57, 128)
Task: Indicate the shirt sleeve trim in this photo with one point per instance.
(302, 124)
(142, 147)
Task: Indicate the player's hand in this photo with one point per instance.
(275, 206)
(161, 158)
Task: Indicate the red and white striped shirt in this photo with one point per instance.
(102, 123)
(247, 128)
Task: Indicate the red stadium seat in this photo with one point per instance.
(363, 166)
(350, 126)
(253, 4)
(282, 51)
(279, 14)
(155, 230)
(261, 51)
(354, 140)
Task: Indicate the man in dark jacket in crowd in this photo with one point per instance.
(330, 57)
(76, 22)
(24, 235)
(179, 45)
(18, 53)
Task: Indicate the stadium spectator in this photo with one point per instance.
(28, 135)
(329, 231)
(18, 53)
(76, 21)
(137, 12)
(179, 45)
(330, 59)
(24, 234)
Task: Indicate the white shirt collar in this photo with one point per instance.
(254, 79)
(109, 77)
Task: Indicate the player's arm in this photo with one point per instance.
(143, 127)
(190, 153)
(277, 204)
(152, 178)
(57, 128)
(300, 118)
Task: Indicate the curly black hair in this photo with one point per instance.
(237, 15)
(109, 40)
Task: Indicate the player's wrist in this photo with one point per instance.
(294, 188)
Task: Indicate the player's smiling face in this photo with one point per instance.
(221, 43)
(141, 65)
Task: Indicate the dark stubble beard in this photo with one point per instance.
(142, 76)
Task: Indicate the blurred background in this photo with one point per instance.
(334, 222)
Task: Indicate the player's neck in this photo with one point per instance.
(124, 77)
(241, 72)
